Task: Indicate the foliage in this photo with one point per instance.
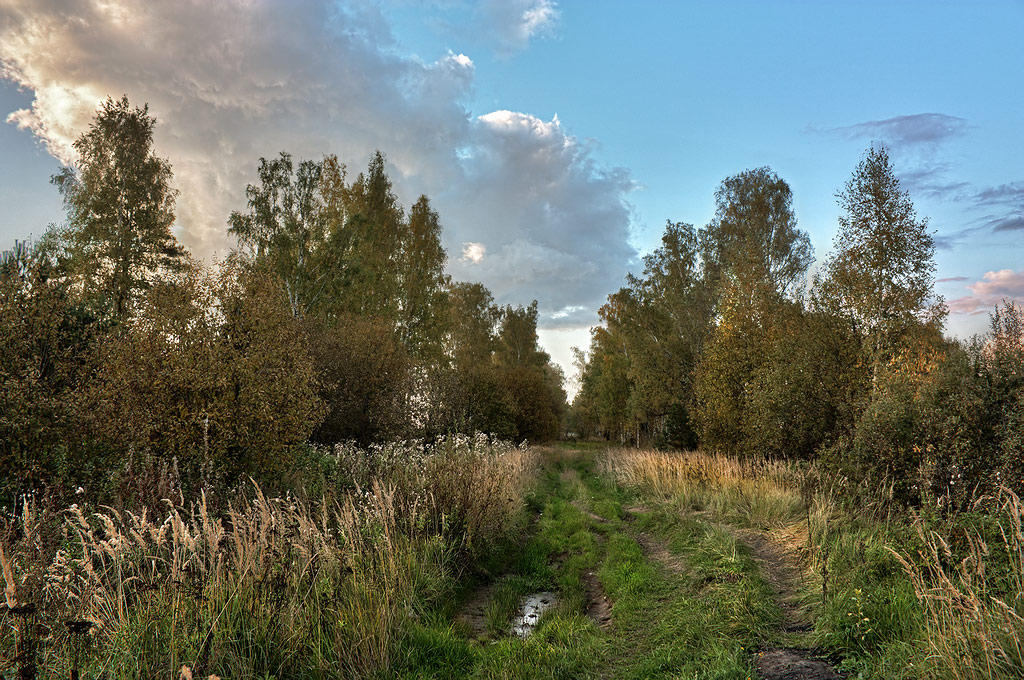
(754, 256)
(753, 243)
(120, 207)
(46, 341)
(365, 379)
(213, 372)
(399, 348)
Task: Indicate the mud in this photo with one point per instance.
(474, 612)
(599, 607)
(792, 664)
(780, 568)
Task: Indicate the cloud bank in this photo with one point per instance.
(993, 288)
(232, 81)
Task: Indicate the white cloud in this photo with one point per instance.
(553, 220)
(232, 81)
(473, 252)
(514, 23)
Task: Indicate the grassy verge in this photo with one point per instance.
(268, 588)
(892, 594)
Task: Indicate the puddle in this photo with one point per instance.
(530, 611)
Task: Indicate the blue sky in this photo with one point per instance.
(656, 103)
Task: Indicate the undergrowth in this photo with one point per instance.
(270, 588)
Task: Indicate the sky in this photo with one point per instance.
(554, 138)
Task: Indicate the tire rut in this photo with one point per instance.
(780, 569)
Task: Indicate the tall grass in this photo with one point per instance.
(974, 596)
(273, 587)
(753, 491)
(899, 593)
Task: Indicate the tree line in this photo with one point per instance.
(127, 361)
(723, 343)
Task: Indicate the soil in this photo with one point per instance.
(781, 569)
(474, 612)
(599, 607)
(659, 552)
(792, 664)
(582, 507)
(655, 548)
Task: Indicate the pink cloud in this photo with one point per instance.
(993, 288)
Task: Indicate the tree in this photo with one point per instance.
(214, 371)
(46, 344)
(120, 206)
(377, 229)
(754, 260)
(365, 380)
(286, 226)
(753, 242)
(517, 338)
(663, 318)
(473, 320)
(881, 273)
(424, 285)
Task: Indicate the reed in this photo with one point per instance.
(273, 587)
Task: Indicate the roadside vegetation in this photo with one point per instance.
(321, 457)
(888, 593)
(259, 586)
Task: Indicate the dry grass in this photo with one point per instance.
(760, 493)
(974, 623)
(273, 587)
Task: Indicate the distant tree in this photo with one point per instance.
(424, 296)
(365, 380)
(532, 382)
(377, 229)
(517, 338)
(473, 323)
(880, 275)
(753, 243)
(285, 227)
(120, 206)
(603, 398)
(470, 395)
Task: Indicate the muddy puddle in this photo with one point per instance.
(530, 610)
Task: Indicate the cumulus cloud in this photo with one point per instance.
(993, 288)
(232, 81)
(473, 252)
(554, 220)
(512, 24)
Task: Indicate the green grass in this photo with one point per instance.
(704, 621)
